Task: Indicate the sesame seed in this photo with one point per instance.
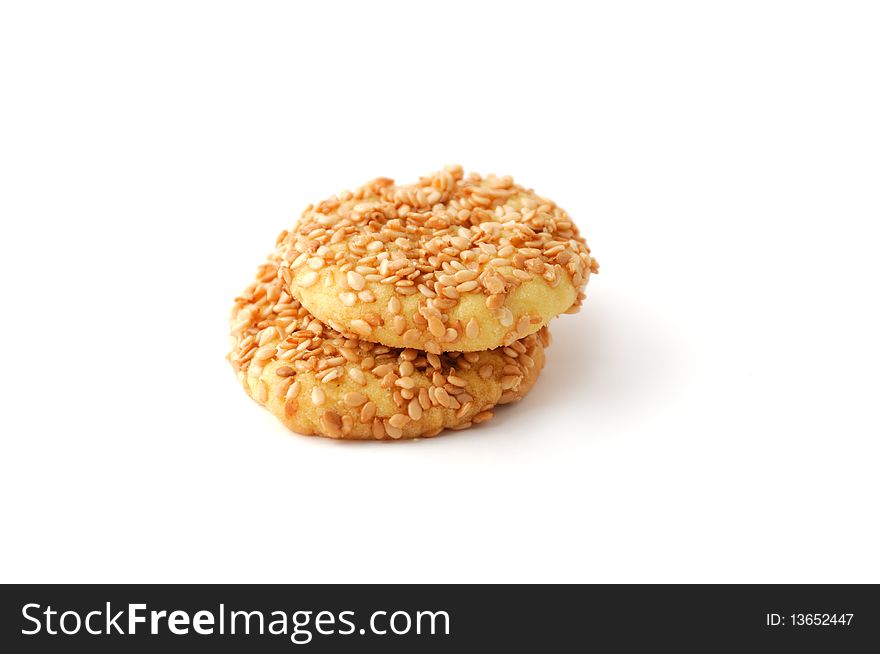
(368, 412)
(283, 387)
(355, 280)
(331, 375)
(394, 306)
(383, 369)
(472, 329)
(405, 382)
(409, 354)
(482, 416)
(284, 371)
(510, 381)
(411, 338)
(398, 324)
(442, 396)
(388, 380)
(392, 431)
(308, 279)
(495, 301)
(450, 292)
(318, 396)
(433, 347)
(436, 327)
(459, 243)
(361, 327)
(348, 298)
(357, 376)
(455, 380)
(331, 424)
(427, 292)
(354, 399)
(398, 420)
(264, 353)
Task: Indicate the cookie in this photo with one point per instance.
(452, 263)
(319, 381)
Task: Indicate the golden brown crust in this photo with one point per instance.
(318, 381)
(452, 263)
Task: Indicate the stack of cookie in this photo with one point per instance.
(399, 311)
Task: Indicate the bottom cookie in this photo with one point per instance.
(319, 381)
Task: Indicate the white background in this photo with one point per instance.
(712, 414)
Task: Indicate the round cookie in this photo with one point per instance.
(452, 263)
(318, 381)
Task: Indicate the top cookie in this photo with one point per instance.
(451, 263)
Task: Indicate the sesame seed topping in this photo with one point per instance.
(405, 382)
(262, 392)
(472, 329)
(361, 327)
(308, 279)
(264, 353)
(392, 431)
(510, 381)
(456, 381)
(368, 412)
(442, 396)
(482, 416)
(354, 399)
(355, 280)
(398, 420)
(332, 424)
(435, 326)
